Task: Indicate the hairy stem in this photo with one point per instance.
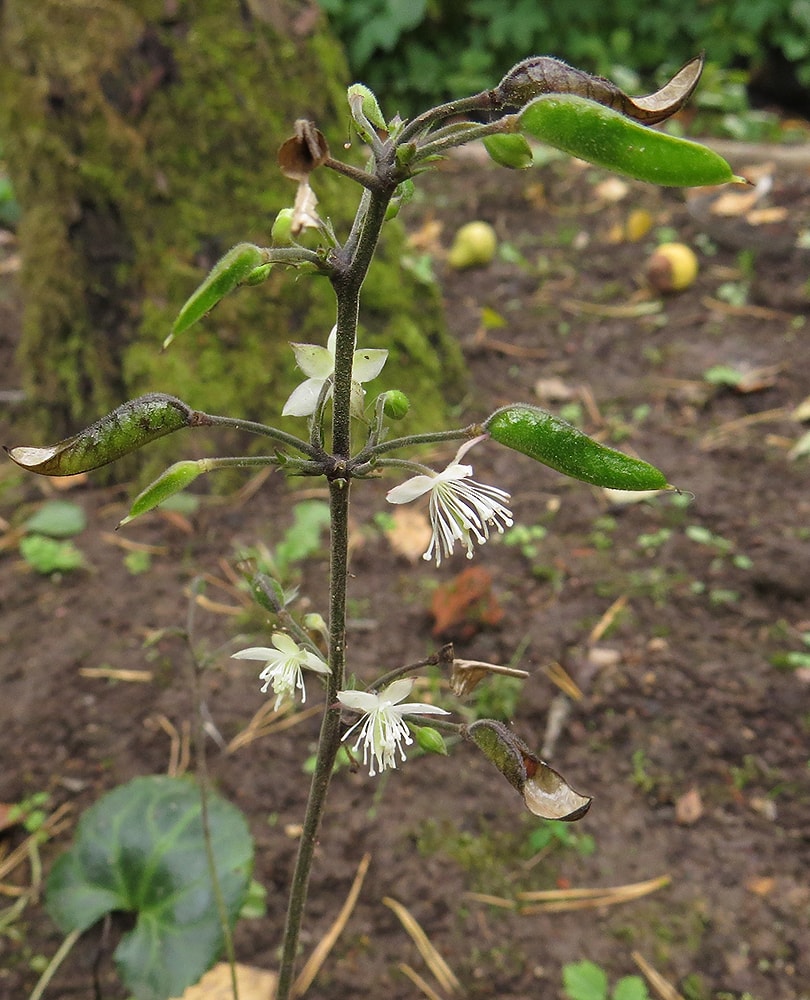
(329, 737)
(347, 280)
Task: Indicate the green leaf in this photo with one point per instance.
(608, 139)
(630, 988)
(233, 269)
(129, 427)
(57, 519)
(47, 555)
(585, 981)
(140, 849)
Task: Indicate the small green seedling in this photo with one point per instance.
(47, 545)
(586, 980)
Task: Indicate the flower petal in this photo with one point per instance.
(462, 451)
(368, 363)
(454, 472)
(303, 399)
(255, 653)
(314, 361)
(312, 662)
(397, 690)
(285, 643)
(358, 701)
(420, 708)
(411, 489)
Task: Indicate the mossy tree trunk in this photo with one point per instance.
(141, 139)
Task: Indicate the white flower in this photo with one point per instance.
(284, 666)
(382, 728)
(460, 508)
(318, 363)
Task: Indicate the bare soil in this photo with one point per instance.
(691, 734)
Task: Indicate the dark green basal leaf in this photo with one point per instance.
(129, 427)
(511, 151)
(608, 139)
(140, 849)
(556, 443)
(176, 478)
(236, 267)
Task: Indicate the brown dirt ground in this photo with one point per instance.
(681, 696)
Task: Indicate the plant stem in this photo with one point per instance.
(347, 282)
(329, 740)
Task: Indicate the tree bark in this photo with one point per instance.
(141, 143)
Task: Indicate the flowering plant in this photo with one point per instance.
(539, 98)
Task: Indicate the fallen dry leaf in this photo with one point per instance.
(464, 605)
(689, 808)
(427, 237)
(254, 984)
(761, 885)
(612, 189)
(410, 535)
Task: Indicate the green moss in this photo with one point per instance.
(143, 149)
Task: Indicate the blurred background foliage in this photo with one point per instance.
(414, 53)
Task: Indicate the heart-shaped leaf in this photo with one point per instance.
(140, 849)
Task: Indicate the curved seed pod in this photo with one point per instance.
(176, 478)
(545, 792)
(236, 267)
(556, 443)
(511, 151)
(607, 138)
(541, 75)
(127, 428)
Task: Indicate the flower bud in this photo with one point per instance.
(511, 151)
(281, 233)
(360, 94)
(429, 739)
(261, 273)
(396, 404)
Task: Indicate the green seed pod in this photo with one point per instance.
(176, 478)
(511, 151)
(129, 427)
(608, 139)
(396, 404)
(281, 233)
(233, 269)
(556, 443)
(430, 740)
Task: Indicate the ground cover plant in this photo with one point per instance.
(514, 433)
